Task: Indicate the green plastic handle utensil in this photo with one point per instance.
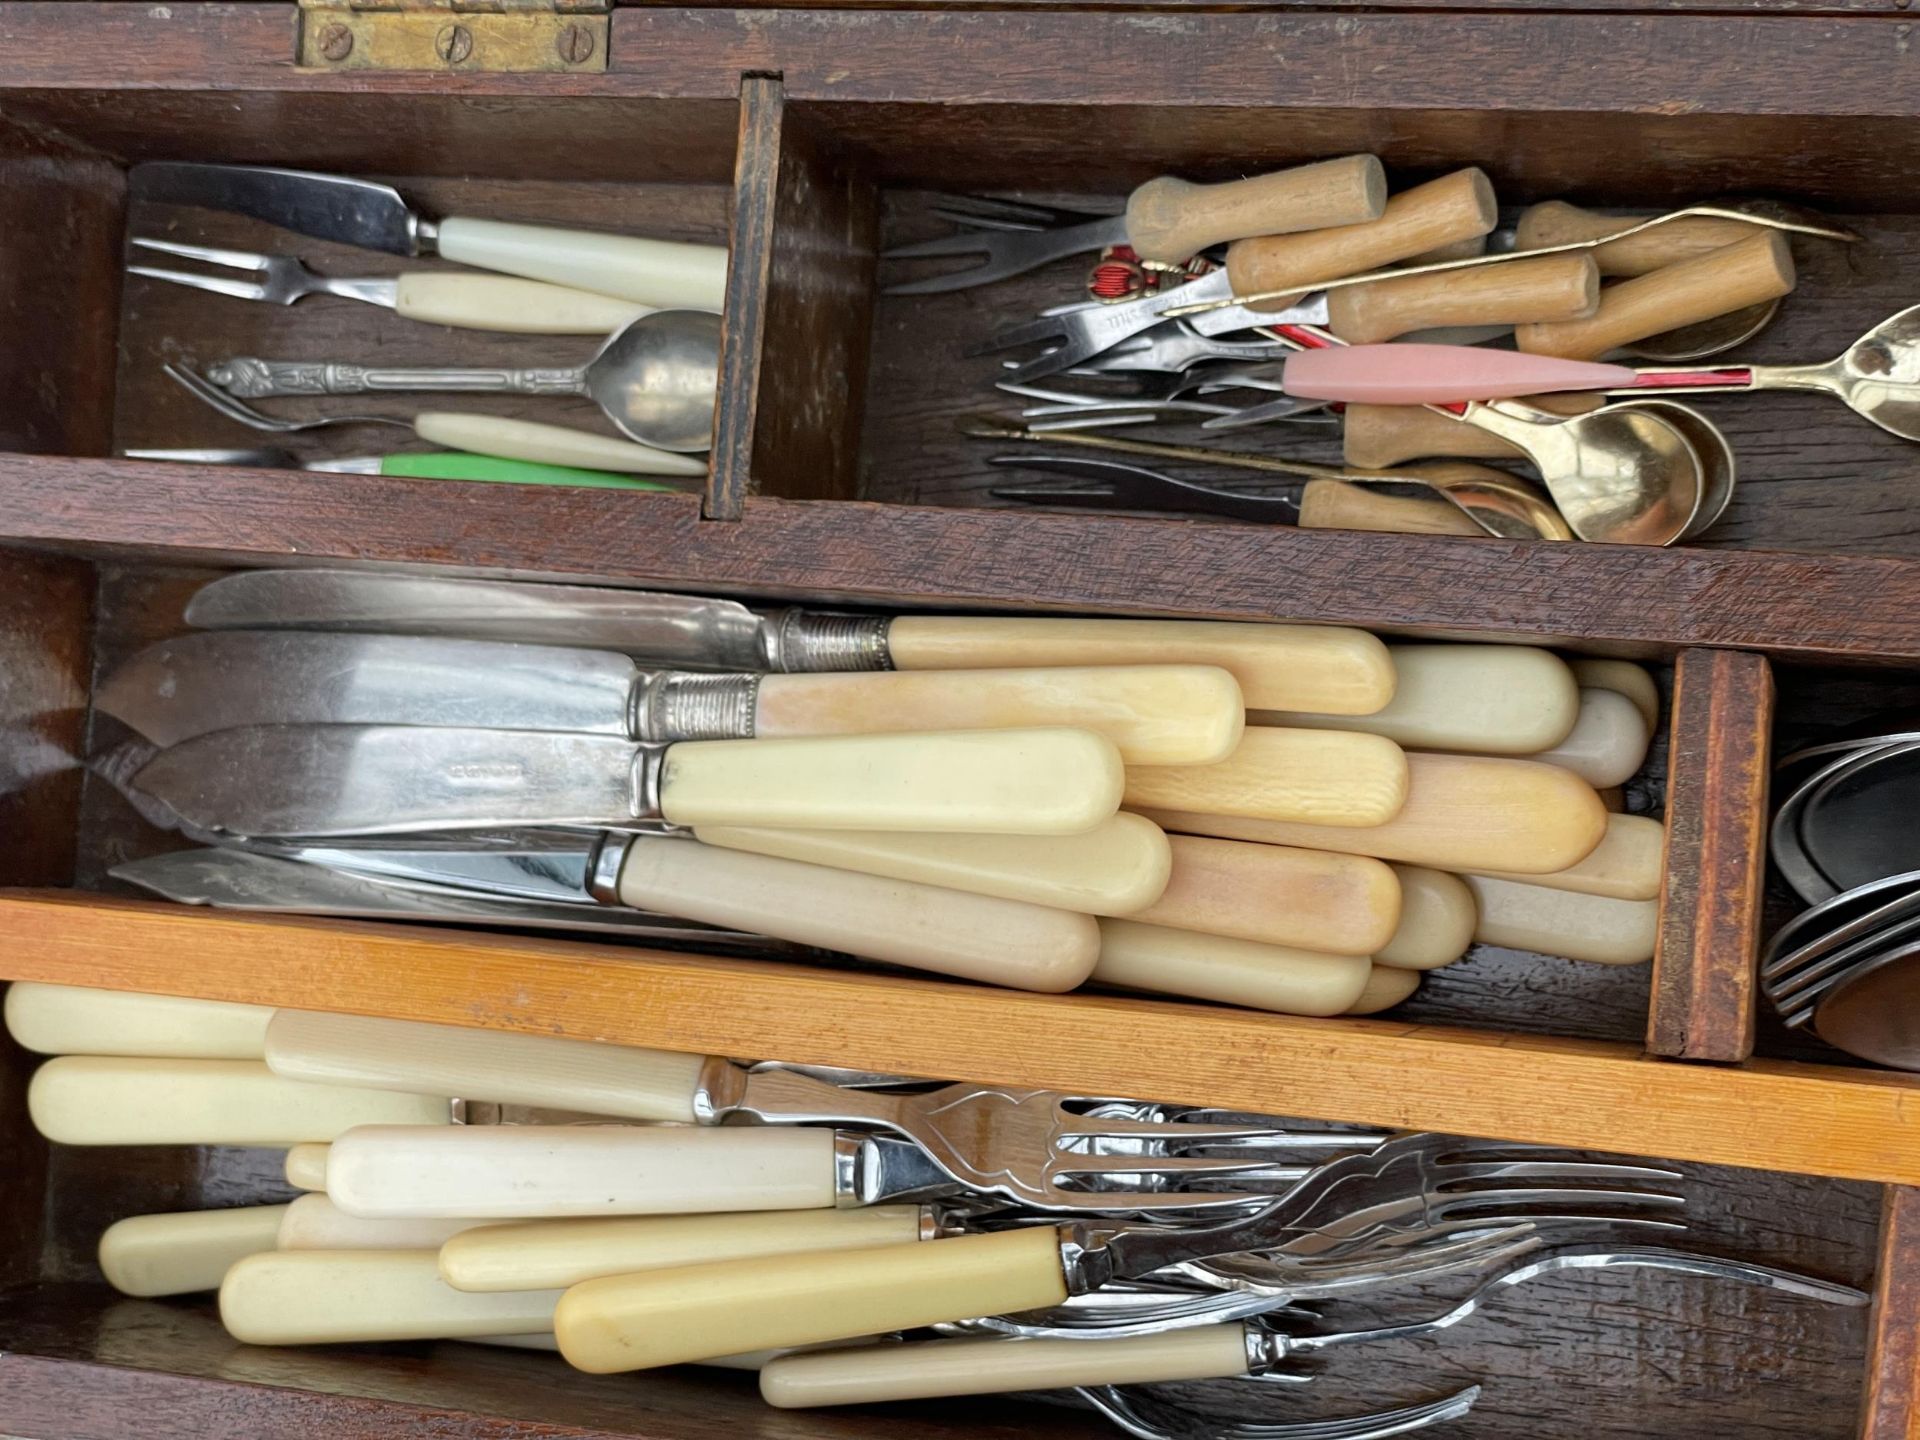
(456, 465)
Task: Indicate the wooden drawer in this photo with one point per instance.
(839, 477)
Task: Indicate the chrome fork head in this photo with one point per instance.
(279, 279)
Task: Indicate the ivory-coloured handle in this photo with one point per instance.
(1626, 866)
(1454, 207)
(1555, 222)
(1624, 676)
(1553, 287)
(1564, 922)
(307, 1167)
(1154, 714)
(1337, 505)
(313, 1222)
(74, 1020)
(524, 1172)
(1116, 868)
(550, 444)
(1279, 667)
(110, 1100)
(1377, 436)
(1321, 777)
(497, 1065)
(1169, 219)
(1748, 272)
(1277, 895)
(499, 302)
(321, 1297)
(1235, 972)
(661, 273)
(668, 1317)
(927, 1369)
(1386, 987)
(1463, 812)
(999, 782)
(559, 1253)
(1490, 699)
(184, 1252)
(926, 927)
(1437, 918)
(1608, 744)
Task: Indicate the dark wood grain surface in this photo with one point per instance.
(1890, 1405)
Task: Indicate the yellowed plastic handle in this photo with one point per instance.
(1154, 714)
(307, 1167)
(74, 1020)
(1319, 777)
(1235, 972)
(313, 1222)
(1565, 922)
(320, 1297)
(648, 272)
(1386, 987)
(558, 1253)
(1437, 918)
(1627, 865)
(550, 444)
(498, 302)
(1278, 895)
(185, 1252)
(668, 1317)
(1609, 743)
(1624, 676)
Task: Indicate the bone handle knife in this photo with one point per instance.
(499, 302)
(658, 273)
(184, 1252)
(311, 1297)
(1134, 956)
(1324, 777)
(74, 1020)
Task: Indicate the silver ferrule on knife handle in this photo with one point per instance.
(719, 1090)
(253, 379)
(669, 705)
(853, 1154)
(812, 641)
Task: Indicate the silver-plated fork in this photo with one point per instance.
(277, 279)
(1143, 1416)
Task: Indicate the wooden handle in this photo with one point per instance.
(1553, 287)
(668, 1317)
(185, 1252)
(1454, 207)
(1346, 671)
(1463, 812)
(1337, 505)
(1115, 868)
(1624, 676)
(108, 1100)
(1169, 219)
(522, 1172)
(1564, 922)
(313, 1222)
(1155, 714)
(648, 272)
(73, 1020)
(1276, 895)
(928, 1369)
(498, 302)
(1608, 744)
(319, 1297)
(306, 1167)
(1235, 972)
(1437, 916)
(927, 927)
(1001, 782)
(497, 1065)
(1555, 222)
(558, 1253)
(1627, 865)
(1488, 699)
(1467, 249)
(1386, 987)
(1376, 436)
(1733, 277)
(1319, 777)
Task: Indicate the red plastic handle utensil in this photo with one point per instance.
(1439, 374)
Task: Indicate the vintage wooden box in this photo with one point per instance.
(799, 135)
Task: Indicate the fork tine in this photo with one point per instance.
(960, 242)
(239, 289)
(1215, 1131)
(1551, 1170)
(1036, 332)
(1553, 1195)
(235, 259)
(1067, 1162)
(209, 393)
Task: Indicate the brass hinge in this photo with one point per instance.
(453, 35)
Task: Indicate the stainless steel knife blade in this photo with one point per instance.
(196, 684)
(327, 207)
(550, 870)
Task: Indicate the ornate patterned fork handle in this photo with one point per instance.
(264, 379)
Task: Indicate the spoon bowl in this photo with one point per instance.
(1716, 459)
(1879, 375)
(657, 376)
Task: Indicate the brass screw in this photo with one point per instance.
(575, 44)
(336, 42)
(454, 43)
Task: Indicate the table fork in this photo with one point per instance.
(1150, 1419)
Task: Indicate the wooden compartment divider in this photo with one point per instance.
(1890, 1407)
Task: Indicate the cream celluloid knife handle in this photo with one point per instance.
(1555, 222)
(1552, 287)
(660, 273)
(1233, 972)
(690, 1312)
(184, 1252)
(1564, 922)
(1490, 699)
(1169, 219)
(1279, 667)
(523, 1172)
(1118, 867)
(1154, 714)
(1463, 812)
(319, 1297)
(925, 927)
(313, 1222)
(306, 1167)
(1000, 782)
(1608, 743)
(1386, 987)
(1319, 777)
(1437, 916)
(72, 1020)
(927, 1369)
(1278, 895)
(498, 302)
(559, 1253)
(108, 1100)
(550, 444)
